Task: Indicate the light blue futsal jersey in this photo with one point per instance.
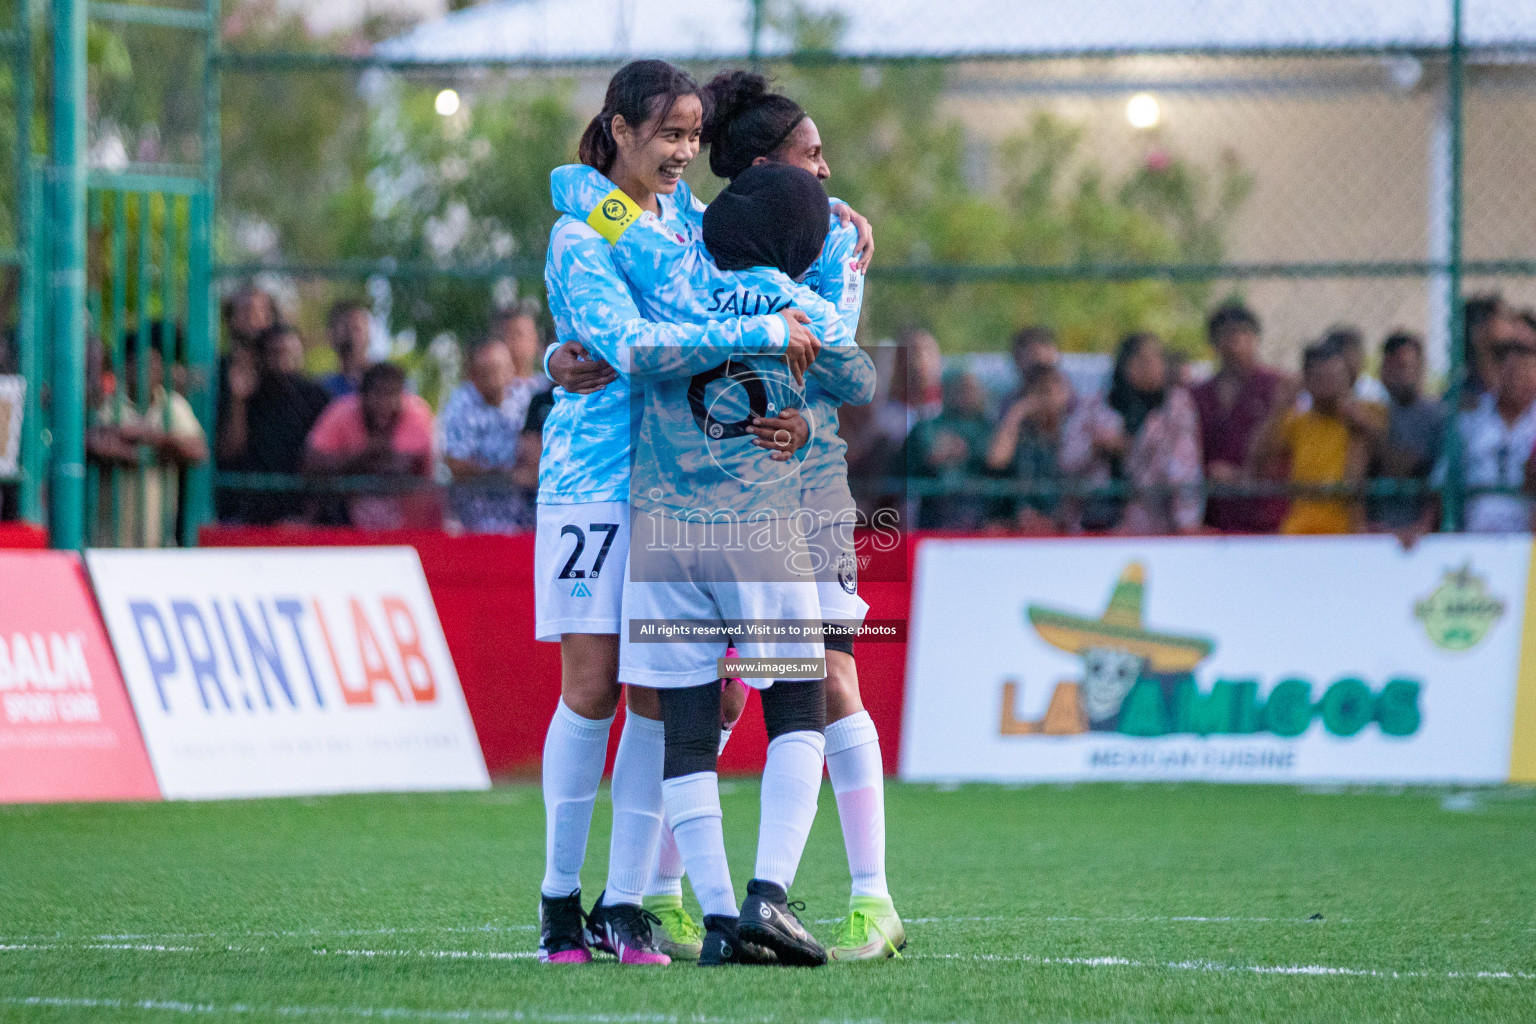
(586, 454)
(835, 277)
(694, 454)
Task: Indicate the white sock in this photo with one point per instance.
(574, 751)
(667, 879)
(858, 781)
(636, 809)
(791, 782)
(693, 807)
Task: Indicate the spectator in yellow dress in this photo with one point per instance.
(1329, 443)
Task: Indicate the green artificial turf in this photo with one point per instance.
(1088, 903)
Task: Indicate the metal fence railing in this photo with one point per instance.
(1356, 162)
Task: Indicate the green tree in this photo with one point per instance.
(899, 160)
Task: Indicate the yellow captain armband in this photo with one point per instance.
(614, 215)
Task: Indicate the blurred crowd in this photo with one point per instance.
(1160, 448)
(1161, 445)
(473, 465)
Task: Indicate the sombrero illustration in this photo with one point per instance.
(1120, 629)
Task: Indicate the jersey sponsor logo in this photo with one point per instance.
(750, 382)
(744, 302)
(613, 215)
(580, 590)
(848, 573)
(853, 287)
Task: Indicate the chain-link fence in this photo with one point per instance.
(1097, 168)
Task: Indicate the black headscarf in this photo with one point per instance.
(772, 215)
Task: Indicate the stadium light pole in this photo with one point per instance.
(754, 52)
(67, 280)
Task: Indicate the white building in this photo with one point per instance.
(1350, 152)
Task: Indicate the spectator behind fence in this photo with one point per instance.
(348, 327)
(482, 426)
(517, 328)
(379, 432)
(149, 442)
(247, 313)
(1487, 323)
(952, 447)
(1233, 405)
(1026, 447)
(1328, 444)
(1411, 446)
(262, 428)
(1351, 344)
(1497, 437)
(1031, 346)
(917, 388)
(1145, 433)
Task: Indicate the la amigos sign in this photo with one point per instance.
(1252, 659)
(1138, 682)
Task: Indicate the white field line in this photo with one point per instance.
(380, 1012)
(1314, 970)
(1113, 920)
(399, 1012)
(438, 954)
(311, 933)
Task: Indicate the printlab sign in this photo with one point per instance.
(278, 672)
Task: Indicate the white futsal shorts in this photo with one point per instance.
(687, 579)
(578, 568)
(829, 514)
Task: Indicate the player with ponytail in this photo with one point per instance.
(643, 139)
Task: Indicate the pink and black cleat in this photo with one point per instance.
(561, 938)
(624, 929)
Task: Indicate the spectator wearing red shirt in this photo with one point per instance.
(1232, 405)
(382, 432)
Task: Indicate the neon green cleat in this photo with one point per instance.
(679, 936)
(871, 931)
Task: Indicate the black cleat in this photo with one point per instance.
(724, 947)
(560, 930)
(624, 930)
(766, 919)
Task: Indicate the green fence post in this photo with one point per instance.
(202, 330)
(1453, 494)
(202, 382)
(34, 367)
(67, 285)
(29, 212)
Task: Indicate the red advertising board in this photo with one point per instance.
(67, 731)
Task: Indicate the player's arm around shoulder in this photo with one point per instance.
(843, 369)
(839, 277)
